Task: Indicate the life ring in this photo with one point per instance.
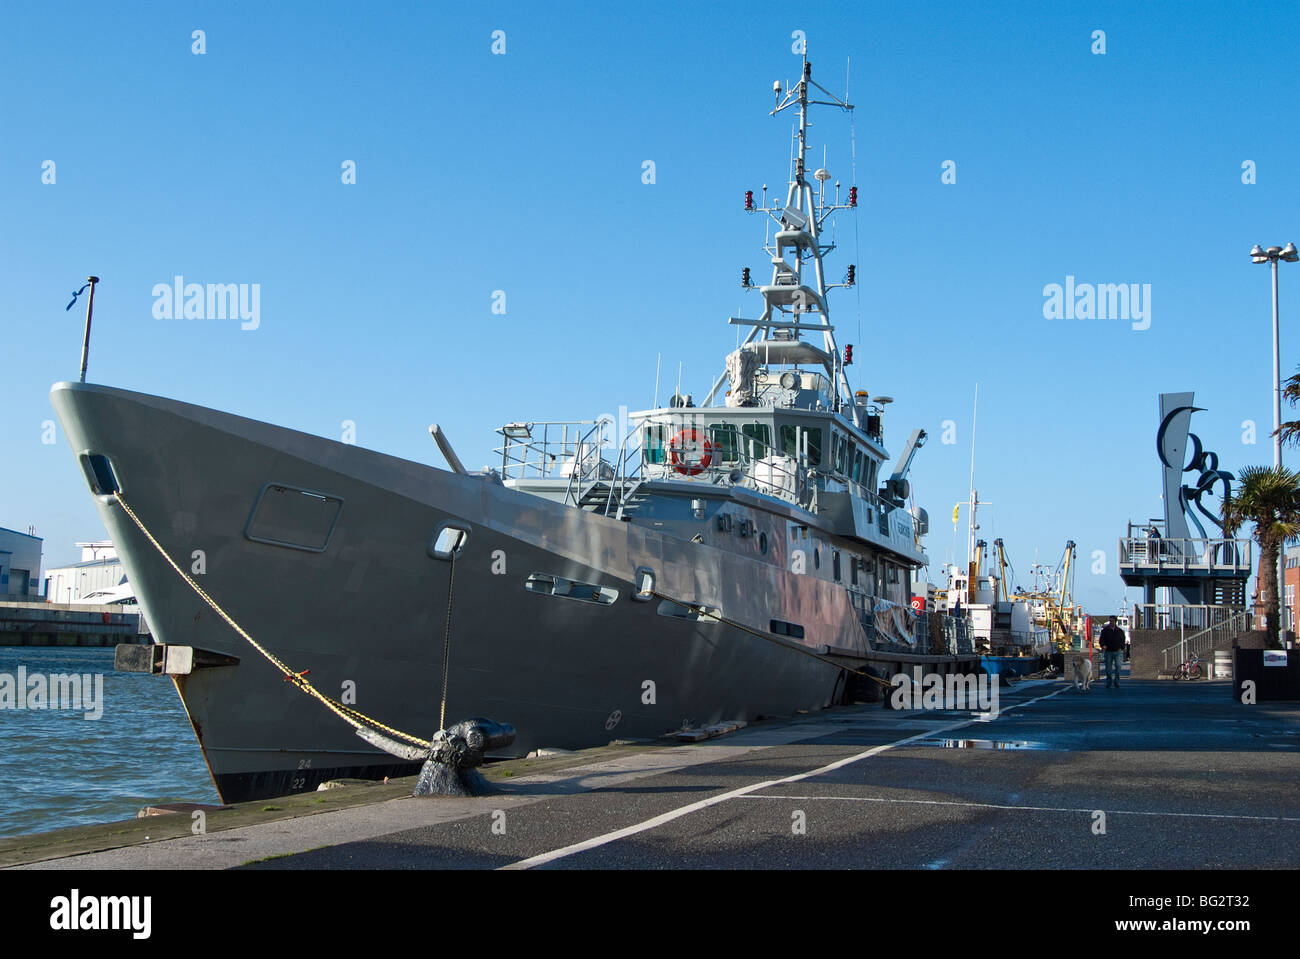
(677, 447)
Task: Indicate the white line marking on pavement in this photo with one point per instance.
(577, 847)
(987, 805)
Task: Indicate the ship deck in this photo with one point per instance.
(1185, 779)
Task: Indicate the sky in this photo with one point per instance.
(222, 158)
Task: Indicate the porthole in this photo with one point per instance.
(550, 585)
(695, 614)
(782, 628)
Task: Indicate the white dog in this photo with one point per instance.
(1082, 673)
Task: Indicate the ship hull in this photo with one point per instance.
(374, 612)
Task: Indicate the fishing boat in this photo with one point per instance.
(749, 556)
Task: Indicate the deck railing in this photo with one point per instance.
(1155, 554)
(585, 454)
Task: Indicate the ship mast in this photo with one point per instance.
(799, 228)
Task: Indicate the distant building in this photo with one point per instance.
(99, 569)
(100, 550)
(20, 565)
(1290, 586)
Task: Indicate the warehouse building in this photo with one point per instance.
(100, 569)
(20, 565)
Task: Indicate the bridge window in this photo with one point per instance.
(814, 446)
(870, 474)
(790, 443)
(761, 436)
(652, 445)
(725, 438)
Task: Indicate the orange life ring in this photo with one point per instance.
(677, 446)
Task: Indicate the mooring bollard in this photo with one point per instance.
(455, 752)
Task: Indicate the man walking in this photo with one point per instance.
(1112, 642)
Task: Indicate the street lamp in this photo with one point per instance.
(1271, 256)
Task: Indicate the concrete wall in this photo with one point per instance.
(1149, 644)
(51, 624)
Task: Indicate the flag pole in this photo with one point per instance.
(85, 344)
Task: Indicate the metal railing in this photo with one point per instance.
(575, 450)
(953, 637)
(1180, 615)
(1156, 554)
(933, 634)
(1205, 640)
(563, 448)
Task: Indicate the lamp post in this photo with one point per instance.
(1271, 256)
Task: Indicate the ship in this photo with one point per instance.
(750, 556)
(1007, 626)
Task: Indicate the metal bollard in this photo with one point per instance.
(455, 752)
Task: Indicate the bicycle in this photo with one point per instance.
(1190, 669)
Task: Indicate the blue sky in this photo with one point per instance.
(522, 172)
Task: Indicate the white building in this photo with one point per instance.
(20, 565)
(99, 569)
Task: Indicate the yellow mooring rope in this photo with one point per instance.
(352, 716)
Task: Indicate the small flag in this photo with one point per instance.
(954, 515)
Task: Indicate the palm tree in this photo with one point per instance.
(1268, 497)
(1290, 430)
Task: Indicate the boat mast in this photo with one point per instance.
(971, 525)
(801, 215)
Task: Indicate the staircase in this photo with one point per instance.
(1203, 642)
(1229, 592)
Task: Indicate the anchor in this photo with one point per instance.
(454, 753)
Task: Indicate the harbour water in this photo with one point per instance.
(59, 768)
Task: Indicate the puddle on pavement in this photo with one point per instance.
(979, 744)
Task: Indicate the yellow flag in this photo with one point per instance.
(954, 513)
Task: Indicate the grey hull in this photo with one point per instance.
(368, 616)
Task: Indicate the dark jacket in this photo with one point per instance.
(1112, 638)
